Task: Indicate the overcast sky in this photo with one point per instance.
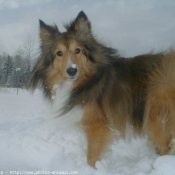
(132, 26)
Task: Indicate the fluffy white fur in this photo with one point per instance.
(60, 97)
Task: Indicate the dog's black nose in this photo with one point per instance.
(71, 71)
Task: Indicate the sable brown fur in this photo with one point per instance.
(112, 91)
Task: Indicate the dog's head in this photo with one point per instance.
(67, 56)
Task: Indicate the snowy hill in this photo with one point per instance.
(31, 142)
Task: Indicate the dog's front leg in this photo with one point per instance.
(98, 134)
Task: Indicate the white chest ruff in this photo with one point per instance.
(62, 94)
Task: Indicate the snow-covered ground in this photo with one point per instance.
(31, 142)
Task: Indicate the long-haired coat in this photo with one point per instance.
(111, 91)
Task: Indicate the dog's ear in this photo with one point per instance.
(82, 24)
(48, 32)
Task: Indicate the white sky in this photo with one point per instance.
(132, 26)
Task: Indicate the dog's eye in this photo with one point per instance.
(59, 53)
(77, 51)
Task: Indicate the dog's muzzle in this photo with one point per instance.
(72, 71)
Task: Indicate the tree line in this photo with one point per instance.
(15, 70)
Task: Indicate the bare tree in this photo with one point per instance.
(29, 47)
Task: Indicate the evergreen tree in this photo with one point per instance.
(7, 71)
(26, 68)
(1, 65)
(18, 71)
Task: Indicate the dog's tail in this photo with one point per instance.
(160, 106)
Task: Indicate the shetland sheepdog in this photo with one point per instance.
(111, 91)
